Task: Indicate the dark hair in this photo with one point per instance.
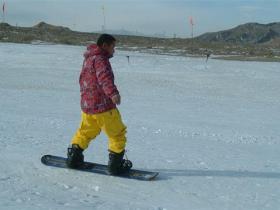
(105, 38)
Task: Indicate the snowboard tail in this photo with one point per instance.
(60, 162)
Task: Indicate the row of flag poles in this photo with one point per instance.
(104, 19)
(191, 21)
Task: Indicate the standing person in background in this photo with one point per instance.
(128, 59)
(207, 55)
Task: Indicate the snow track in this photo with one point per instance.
(211, 130)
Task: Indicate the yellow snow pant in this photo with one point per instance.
(92, 124)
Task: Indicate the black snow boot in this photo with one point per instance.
(75, 157)
(117, 165)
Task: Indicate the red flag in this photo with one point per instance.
(3, 8)
(191, 21)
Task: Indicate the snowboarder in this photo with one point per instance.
(99, 97)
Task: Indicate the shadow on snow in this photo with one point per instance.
(169, 173)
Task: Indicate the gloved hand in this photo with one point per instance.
(116, 99)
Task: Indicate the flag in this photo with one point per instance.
(191, 21)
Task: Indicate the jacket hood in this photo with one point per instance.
(93, 50)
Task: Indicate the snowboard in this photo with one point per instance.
(60, 162)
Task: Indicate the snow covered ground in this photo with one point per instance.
(211, 130)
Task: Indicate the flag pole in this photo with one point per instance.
(3, 12)
(192, 24)
(104, 18)
(192, 37)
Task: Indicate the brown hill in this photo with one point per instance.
(249, 33)
(245, 40)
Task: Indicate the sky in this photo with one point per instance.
(150, 17)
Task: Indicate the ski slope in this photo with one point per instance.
(211, 130)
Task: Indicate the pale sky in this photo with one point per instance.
(145, 16)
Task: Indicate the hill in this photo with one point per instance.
(251, 40)
(249, 33)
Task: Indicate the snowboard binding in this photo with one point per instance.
(75, 157)
(117, 165)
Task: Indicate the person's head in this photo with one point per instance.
(107, 42)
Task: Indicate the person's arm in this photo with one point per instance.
(105, 79)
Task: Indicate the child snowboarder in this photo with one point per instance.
(99, 97)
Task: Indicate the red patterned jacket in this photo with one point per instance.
(97, 81)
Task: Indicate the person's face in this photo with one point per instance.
(109, 48)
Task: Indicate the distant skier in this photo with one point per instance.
(99, 97)
(207, 55)
(128, 59)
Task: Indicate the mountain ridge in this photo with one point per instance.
(250, 39)
(250, 33)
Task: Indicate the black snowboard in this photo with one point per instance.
(60, 162)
